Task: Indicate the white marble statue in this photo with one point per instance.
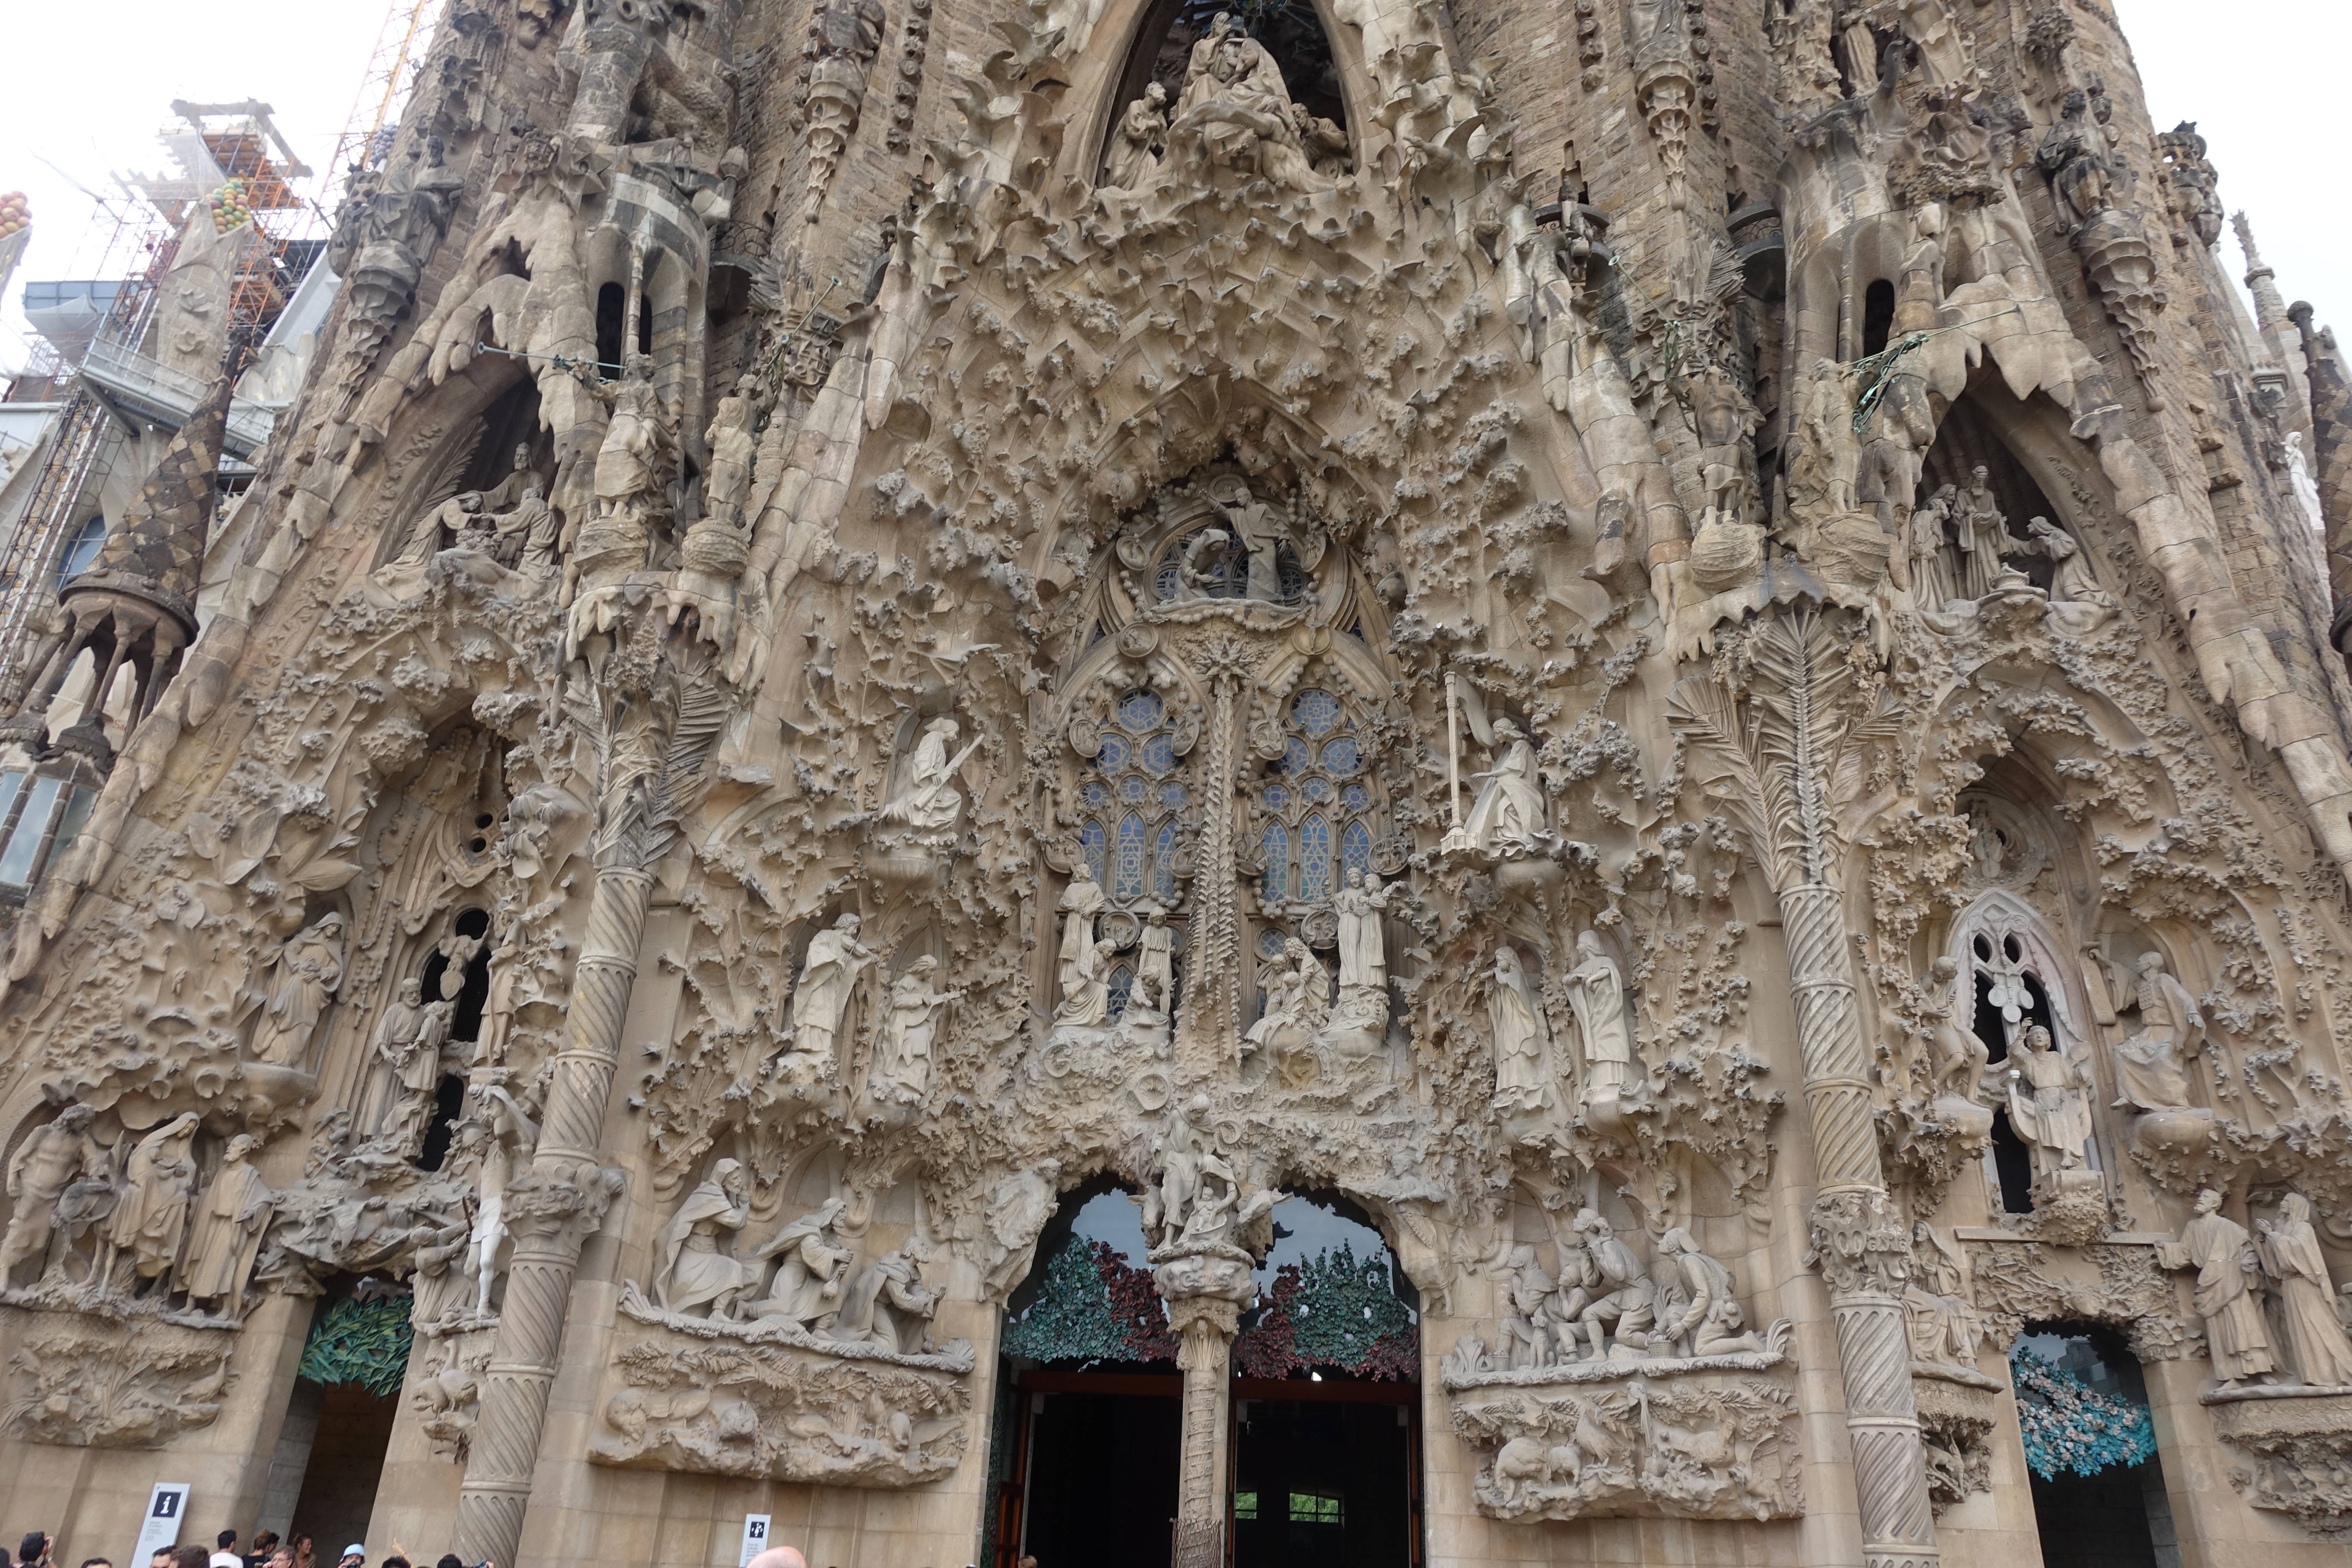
(2148, 1061)
(813, 1270)
(1596, 993)
(1508, 818)
(1520, 1037)
(1363, 954)
(1155, 962)
(911, 1027)
(1081, 901)
(2229, 1292)
(2317, 1345)
(929, 801)
(2049, 1104)
(695, 1263)
(828, 979)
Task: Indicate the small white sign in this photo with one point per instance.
(755, 1537)
(165, 1509)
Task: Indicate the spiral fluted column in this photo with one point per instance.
(1858, 1236)
(550, 1219)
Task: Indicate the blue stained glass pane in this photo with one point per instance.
(1140, 710)
(1356, 848)
(1126, 871)
(1276, 883)
(1092, 844)
(1134, 790)
(1277, 797)
(1314, 859)
(1317, 712)
(1113, 756)
(1160, 753)
(1292, 576)
(1342, 756)
(1095, 795)
(1164, 863)
(1165, 581)
(1297, 757)
(1317, 790)
(1355, 797)
(1173, 796)
(1269, 944)
(1122, 985)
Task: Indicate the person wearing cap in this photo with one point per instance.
(354, 1555)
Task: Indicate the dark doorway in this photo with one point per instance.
(339, 1484)
(2116, 1515)
(1322, 1483)
(1101, 1468)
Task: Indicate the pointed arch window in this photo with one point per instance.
(1131, 801)
(1319, 804)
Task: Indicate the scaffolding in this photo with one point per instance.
(110, 375)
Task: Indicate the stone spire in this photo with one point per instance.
(2270, 317)
(155, 552)
(136, 603)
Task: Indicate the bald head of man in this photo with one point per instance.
(779, 1557)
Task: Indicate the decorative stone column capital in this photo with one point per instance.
(1860, 1243)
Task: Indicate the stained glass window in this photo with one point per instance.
(1129, 803)
(1319, 805)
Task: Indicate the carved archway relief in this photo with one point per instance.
(1998, 915)
(1110, 43)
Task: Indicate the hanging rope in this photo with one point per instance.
(1880, 366)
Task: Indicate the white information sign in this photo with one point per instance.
(162, 1527)
(755, 1537)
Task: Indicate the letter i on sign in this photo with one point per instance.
(165, 1508)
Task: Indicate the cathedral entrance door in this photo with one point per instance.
(1324, 1475)
(1099, 1458)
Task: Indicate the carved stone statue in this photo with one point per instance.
(386, 228)
(1155, 962)
(828, 979)
(2229, 1292)
(1596, 993)
(2148, 1061)
(1526, 1338)
(50, 1160)
(1522, 1038)
(1697, 1303)
(528, 538)
(727, 483)
(1363, 953)
(441, 529)
(1957, 1057)
(151, 1215)
(1087, 1004)
(809, 1278)
(1985, 538)
(1235, 112)
(910, 1025)
(2049, 1104)
(1931, 558)
(1142, 131)
(2081, 161)
(1940, 1316)
(1509, 817)
(929, 802)
(405, 1070)
(226, 1237)
(1081, 901)
(309, 969)
(1624, 1298)
(2317, 1345)
(887, 1306)
(695, 1265)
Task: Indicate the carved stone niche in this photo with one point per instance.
(728, 1405)
(1702, 1438)
(84, 1383)
(1957, 1411)
(2299, 1445)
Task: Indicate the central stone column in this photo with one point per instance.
(1207, 1287)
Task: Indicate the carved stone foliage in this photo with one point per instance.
(780, 1411)
(85, 1383)
(2117, 1283)
(1702, 1445)
(1957, 1416)
(2298, 1453)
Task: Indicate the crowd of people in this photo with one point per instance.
(39, 1549)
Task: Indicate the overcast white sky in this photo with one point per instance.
(89, 88)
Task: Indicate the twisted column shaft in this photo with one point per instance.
(1860, 1239)
(506, 1442)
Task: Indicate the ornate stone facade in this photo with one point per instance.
(1674, 662)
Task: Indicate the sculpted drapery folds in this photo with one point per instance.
(1195, 616)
